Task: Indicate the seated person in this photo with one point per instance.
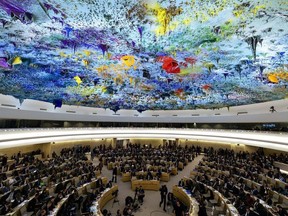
(50, 205)
(60, 187)
(5, 208)
(106, 213)
(181, 183)
(3, 188)
(159, 173)
(59, 197)
(178, 209)
(127, 211)
(128, 200)
(189, 185)
(280, 211)
(170, 199)
(202, 209)
(99, 183)
(44, 194)
(18, 199)
(250, 212)
(109, 184)
(34, 204)
(149, 175)
(43, 212)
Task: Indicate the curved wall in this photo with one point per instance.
(11, 108)
(23, 137)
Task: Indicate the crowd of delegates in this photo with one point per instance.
(18, 159)
(231, 187)
(231, 184)
(136, 158)
(248, 165)
(45, 182)
(283, 158)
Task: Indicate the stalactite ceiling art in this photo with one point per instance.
(144, 55)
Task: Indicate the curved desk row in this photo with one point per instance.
(105, 197)
(253, 184)
(230, 208)
(276, 197)
(81, 190)
(248, 182)
(21, 209)
(279, 198)
(186, 198)
(273, 182)
(146, 184)
(281, 166)
(223, 203)
(127, 176)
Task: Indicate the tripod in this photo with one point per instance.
(116, 200)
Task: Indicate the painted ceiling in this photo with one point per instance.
(144, 55)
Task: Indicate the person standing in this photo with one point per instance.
(141, 194)
(163, 193)
(114, 174)
(100, 166)
(118, 213)
(4, 162)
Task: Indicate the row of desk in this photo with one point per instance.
(105, 197)
(252, 184)
(225, 205)
(276, 197)
(264, 177)
(126, 177)
(246, 181)
(281, 166)
(21, 209)
(146, 184)
(185, 197)
(84, 189)
(12, 161)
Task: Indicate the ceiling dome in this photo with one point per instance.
(144, 55)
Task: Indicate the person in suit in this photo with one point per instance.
(163, 193)
(114, 174)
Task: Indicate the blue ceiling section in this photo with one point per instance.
(144, 55)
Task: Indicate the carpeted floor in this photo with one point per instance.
(150, 206)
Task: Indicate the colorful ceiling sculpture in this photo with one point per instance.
(144, 55)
